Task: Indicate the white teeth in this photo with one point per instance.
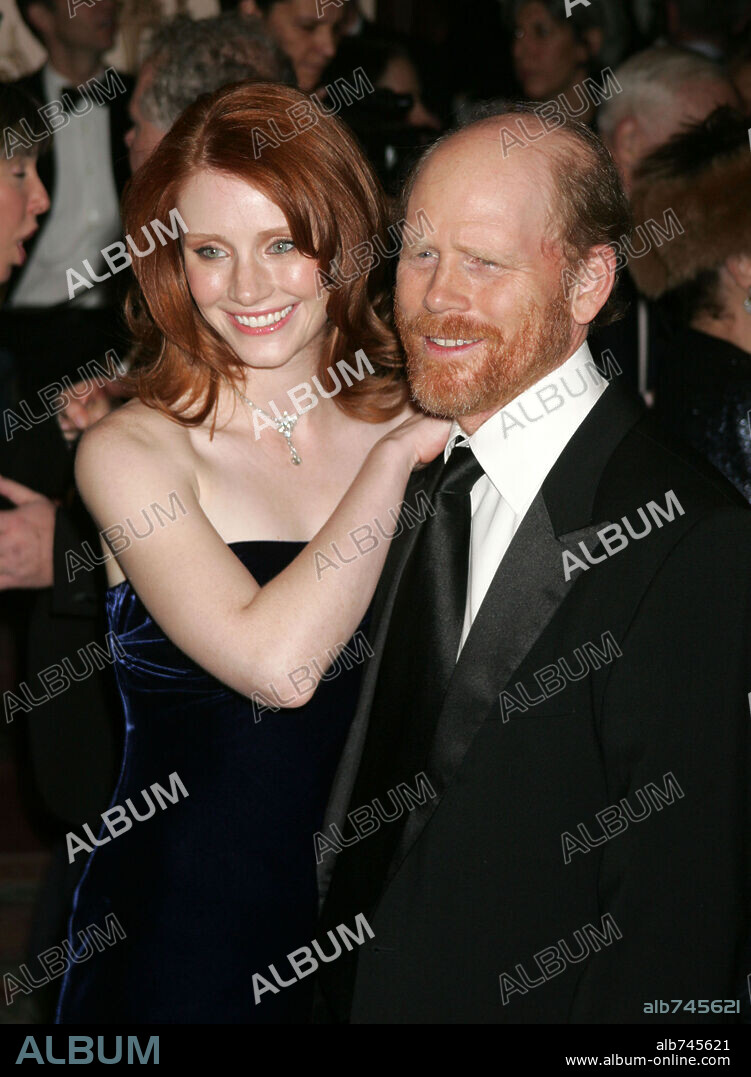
(263, 319)
(443, 343)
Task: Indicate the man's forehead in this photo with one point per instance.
(474, 184)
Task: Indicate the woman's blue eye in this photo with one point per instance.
(209, 252)
(282, 243)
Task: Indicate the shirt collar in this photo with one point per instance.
(54, 82)
(518, 445)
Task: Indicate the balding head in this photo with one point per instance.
(507, 223)
(662, 91)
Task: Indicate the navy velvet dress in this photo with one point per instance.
(220, 884)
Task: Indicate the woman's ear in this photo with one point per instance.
(739, 268)
(249, 7)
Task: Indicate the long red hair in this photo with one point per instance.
(332, 200)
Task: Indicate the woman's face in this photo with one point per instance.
(400, 76)
(22, 199)
(547, 57)
(246, 276)
(307, 31)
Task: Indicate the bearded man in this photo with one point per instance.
(542, 812)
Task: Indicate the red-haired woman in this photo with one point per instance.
(243, 557)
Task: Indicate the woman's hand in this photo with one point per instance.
(421, 437)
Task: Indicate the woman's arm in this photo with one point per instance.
(203, 597)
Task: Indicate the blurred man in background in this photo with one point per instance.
(188, 58)
(663, 90)
(49, 332)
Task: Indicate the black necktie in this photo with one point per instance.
(420, 652)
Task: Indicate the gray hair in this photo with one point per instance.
(192, 57)
(650, 79)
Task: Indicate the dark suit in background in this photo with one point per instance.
(48, 342)
(472, 883)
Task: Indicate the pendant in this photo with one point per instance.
(285, 426)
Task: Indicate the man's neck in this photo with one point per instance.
(470, 424)
(78, 65)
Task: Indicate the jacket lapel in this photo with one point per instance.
(527, 590)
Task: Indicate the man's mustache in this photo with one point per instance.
(448, 327)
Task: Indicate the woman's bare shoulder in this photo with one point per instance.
(133, 447)
(136, 425)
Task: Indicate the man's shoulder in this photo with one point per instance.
(31, 83)
(658, 490)
(648, 463)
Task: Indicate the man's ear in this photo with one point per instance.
(589, 283)
(625, 142)
(249, 7)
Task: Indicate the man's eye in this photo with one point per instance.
(209, 253)
(286, 243)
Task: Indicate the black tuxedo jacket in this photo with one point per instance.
(478, 885)
(119, 125)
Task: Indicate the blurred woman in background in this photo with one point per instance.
(703, 393)
(553, 53)
(308, 35)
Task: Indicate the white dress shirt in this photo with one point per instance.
(517, 447)
(85, 213)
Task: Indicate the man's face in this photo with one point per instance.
(479, 302)
(309, 40)
(91, 28)
(145, 135)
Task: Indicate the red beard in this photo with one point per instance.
(495, 371)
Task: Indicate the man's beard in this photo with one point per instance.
(495, 372)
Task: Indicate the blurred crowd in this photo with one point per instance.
(666, 84)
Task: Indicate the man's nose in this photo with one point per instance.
(446, 291)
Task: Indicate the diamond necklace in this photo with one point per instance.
(284, 425)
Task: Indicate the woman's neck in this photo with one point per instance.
(734, 327)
